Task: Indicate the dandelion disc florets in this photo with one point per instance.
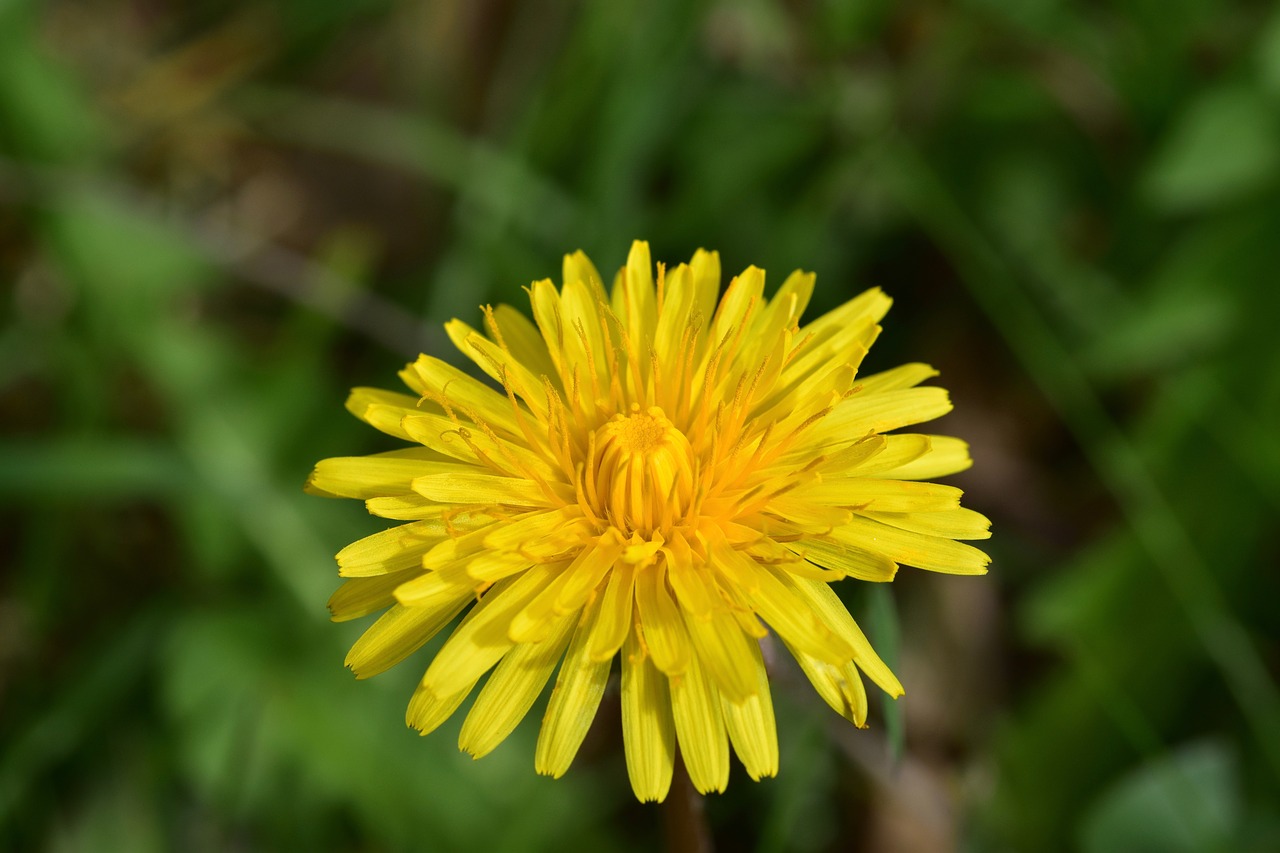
(658, 474)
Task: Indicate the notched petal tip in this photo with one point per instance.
(350, 664)
(309, 487)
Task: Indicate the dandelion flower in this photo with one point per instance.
(657, 476)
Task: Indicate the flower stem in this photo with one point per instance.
(684, 816)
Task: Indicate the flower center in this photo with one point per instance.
(643, 432)
(643, 471)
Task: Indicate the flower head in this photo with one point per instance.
(659, 476)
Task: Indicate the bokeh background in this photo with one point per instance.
(215, 218)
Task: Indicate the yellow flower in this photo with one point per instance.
(659, 476)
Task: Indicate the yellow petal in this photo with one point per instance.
(445, 583)
(501, 366)
(664, 631)
(431, 705)
(751, 726)
(777, 603)
(798, 411)
(865, 493)
(914, 549)
(741, 304)
(372, 404)
(674, 319)
(705, 267)
(510, 534)
(867, 308)
(839, 686)
(372, 476)
(648, 731)
(390, 418)
(842, 335)
(438, 380)
(586, 572)
(404, 507)
(769, 335)
(427, 710)
(521, 337)
(695, 593)
(788, 304)
(545, 301)
(822, 599)
(904, 376)
(481, 640)
(391, 550)
(582, 340)
(567, 593)
(361, 596)
(849, 460)
(808, 515)
(851, 561)
(724, 650)
(490, 566)
(577, 268)
(804, 568)
(862, 414)
(946, 456)
(695, 705)
(468, 488)
(562, 541)
(574, 701)
(951, 524)
(400, 632)
(454, 440)
(639, 302)
(511, 690)
(897, 451)
(616, 613)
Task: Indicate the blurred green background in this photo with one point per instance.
(217, 217)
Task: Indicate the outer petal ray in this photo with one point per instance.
(751, 726)
(648, 730)
(574, 701)
(699, 724)
(511, 690)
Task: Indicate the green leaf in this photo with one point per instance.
(886, 636)
(1170, 331)
(265, 715)
(1186, 801)
(44, 113)
(1224, 146)
(1269, 55)
(79, 468)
